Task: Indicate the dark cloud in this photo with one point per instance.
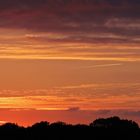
(75, 17)
(74, 109)
(125, 112)
(132, 113)
(102, 112)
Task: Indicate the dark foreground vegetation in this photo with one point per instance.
(101, 129)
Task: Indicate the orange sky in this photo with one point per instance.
(72, 61)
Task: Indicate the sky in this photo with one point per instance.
(69, 60)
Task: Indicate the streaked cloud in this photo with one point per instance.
(92, 96)
(72, 30)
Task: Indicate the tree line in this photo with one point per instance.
(112, 128)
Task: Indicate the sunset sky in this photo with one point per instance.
(69, 60)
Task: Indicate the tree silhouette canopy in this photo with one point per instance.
(112, 128)
(115, 122)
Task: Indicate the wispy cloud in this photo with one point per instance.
(103, 65)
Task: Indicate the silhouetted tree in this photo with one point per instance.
(41, 125)
(114, 122)
(9, 126)
(58, 124)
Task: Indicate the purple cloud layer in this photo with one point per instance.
(106, 18)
